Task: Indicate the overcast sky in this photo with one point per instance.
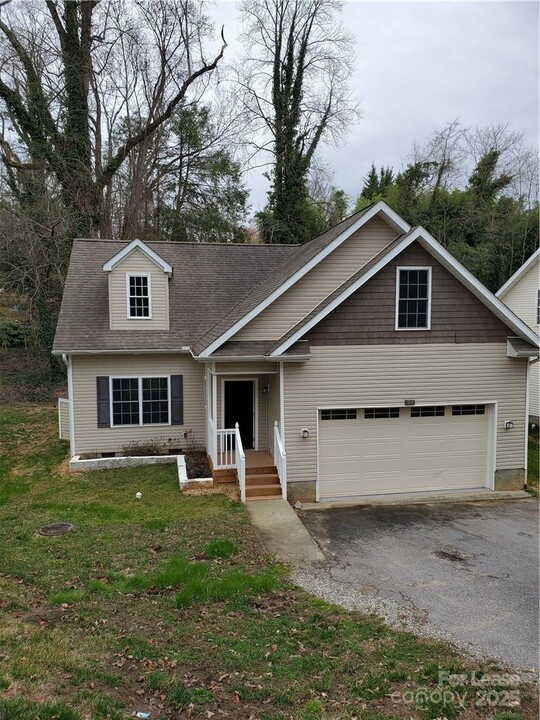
(420, 65)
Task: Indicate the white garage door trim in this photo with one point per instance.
(491, 411)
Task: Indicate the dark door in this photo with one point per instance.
(239, 409)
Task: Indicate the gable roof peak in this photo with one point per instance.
(377, 263)
(145, 249)
(295, 267)
(527, 265)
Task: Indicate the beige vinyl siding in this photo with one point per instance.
(135, 263)
(63, 418)
(522, 298)
(90, 438)
(384, 375)
(308, 292)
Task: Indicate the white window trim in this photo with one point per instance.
(415, 329)
(128, 304)
(537, 307)
(140, 378)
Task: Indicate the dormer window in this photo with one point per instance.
(138, 290)
(413, 298)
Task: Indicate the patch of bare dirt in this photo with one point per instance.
(230, 489)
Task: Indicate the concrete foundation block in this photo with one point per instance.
(513, 479)
(303, 491)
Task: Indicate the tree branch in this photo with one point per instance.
(134, 140)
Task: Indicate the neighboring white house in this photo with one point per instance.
(522, 295)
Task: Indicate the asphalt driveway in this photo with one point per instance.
(467, 571)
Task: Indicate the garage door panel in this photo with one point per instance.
(405, 454)
(340, 450)
(435, 462)
(341, 488)
(466, 444)
(372, 430)
(468, 462)
(381, 447)
(339, 429)
(343, 467)
(383, 481)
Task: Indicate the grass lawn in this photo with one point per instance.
(170, 605)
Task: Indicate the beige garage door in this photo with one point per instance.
(392, 450)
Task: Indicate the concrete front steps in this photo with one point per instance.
(262, 481)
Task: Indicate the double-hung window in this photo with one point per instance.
(140, 401)
(138, 292)
(413, 298)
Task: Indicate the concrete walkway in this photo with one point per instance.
(283, 532)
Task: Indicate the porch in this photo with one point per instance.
(243, 430)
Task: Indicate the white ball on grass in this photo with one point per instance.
(138, 495)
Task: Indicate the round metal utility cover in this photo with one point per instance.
(59, 528)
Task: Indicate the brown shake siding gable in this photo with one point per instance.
(367, 317)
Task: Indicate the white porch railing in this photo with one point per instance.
(227, 452)
(280, 458)
(240, 463)
(225, 440)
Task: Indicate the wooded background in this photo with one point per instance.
(124, 118)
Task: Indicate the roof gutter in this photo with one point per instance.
(136, 351)
(250, 358)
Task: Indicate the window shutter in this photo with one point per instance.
(177, 400)
(103, 407)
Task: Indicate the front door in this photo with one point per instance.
(239, 408)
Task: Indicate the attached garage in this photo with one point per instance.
(368, 451)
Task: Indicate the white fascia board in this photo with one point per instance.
(397, 222)
(131, 247)
(250, 358)
(451, 264)
(509, 284)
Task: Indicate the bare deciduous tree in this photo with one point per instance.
(296, 93)
(53, 99)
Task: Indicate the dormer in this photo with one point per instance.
(138, 288)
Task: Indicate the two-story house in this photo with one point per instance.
(367, 361)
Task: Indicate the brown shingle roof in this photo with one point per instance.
(258, 348)
(208, 281)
